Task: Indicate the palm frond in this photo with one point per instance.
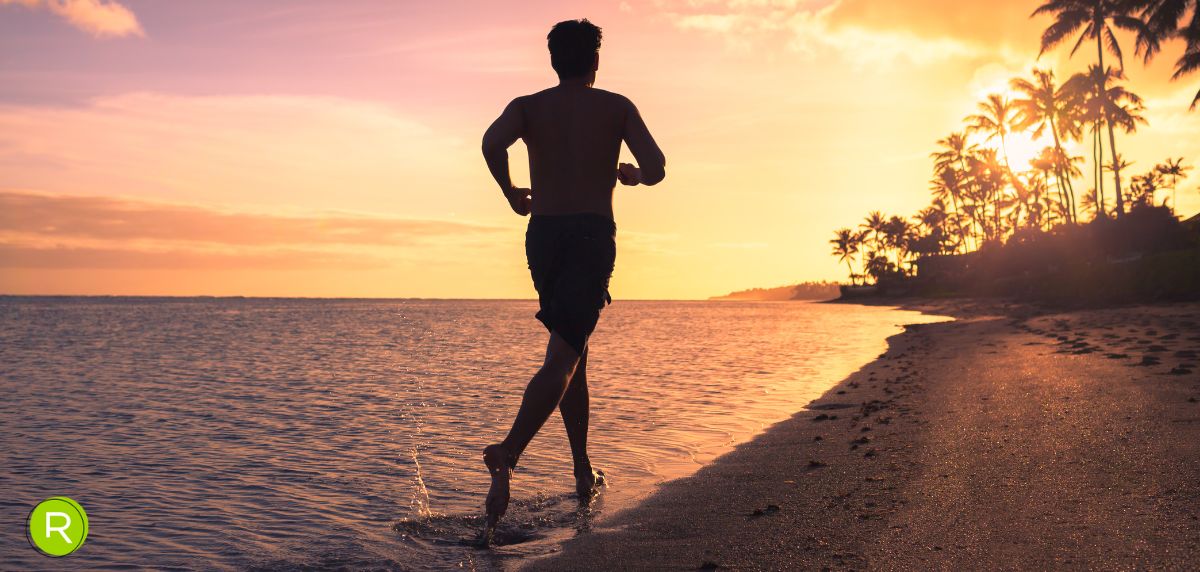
(1163, 15)
(1110, 40)
(1087, 34)
(1188, 63)
(1067, 23)
(1147, 42)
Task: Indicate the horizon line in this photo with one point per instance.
(243, 297)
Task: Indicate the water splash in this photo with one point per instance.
(420, 501)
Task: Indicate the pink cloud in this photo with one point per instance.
(101, 18)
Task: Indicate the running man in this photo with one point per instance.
(573, 132)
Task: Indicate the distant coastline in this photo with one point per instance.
(801, 291)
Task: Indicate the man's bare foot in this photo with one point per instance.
(499, 465)
(588, 483)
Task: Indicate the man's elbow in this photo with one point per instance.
(490, 147)
(654, 173)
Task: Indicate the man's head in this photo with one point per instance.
(574, 48)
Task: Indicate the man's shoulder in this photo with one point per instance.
(610, 96)
(614, 97)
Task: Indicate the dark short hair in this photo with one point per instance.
(573, 47)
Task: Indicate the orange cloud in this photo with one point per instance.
(77, 257)
(62, 231)
(982, 23)
(99, 17)
(847, 27)
(110, 218)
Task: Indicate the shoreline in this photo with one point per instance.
(1014, 437)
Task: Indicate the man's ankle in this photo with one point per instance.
(510, 456)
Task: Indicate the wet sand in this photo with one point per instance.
(1012, 438)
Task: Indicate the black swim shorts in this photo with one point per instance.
(571, 259)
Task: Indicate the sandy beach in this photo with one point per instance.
(1011, 438)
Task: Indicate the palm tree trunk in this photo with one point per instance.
(1112, 138)
(954, 201)
(1062, 194)
(962, 164)
(1069, 205)
(1097, 168)
(1071, 198)
(1112, 147)
(1174, 183)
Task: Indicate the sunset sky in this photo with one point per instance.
(307, 148)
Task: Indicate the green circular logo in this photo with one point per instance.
(57, 526)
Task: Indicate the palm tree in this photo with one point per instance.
(1044, 164)
(1144, 187)
(989, 178)
(859, 240)
(896, 234)
(1097, 19)
(997, 118)
(877, 266)
(949, 183)
(950, 165)
(933, 217)
(1044, 106)
(874, 223)
(1036, 212)
(844, 247)
(1068, 165)
(1163, 17)
(1117, 164)
(1175, 169)
(1024, 192)
(1083, 106)
(1124, 111)
(953, 153)
(1090, 203)
(1112, 105)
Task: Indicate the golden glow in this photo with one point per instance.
(780, 123)
(1022, 148)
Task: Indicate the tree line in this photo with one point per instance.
(979, 198)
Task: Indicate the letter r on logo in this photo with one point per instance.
(61, 530)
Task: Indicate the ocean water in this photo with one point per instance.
(231, 434)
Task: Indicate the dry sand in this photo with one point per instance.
(1008, 439)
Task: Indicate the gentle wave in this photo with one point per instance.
(264, 433)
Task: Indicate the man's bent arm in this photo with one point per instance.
(504, 131)
(649, 157)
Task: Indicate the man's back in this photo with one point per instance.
(574, 135)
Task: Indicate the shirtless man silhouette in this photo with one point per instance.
(573, 132)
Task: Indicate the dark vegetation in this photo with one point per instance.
(993, 229)
(802, 291)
